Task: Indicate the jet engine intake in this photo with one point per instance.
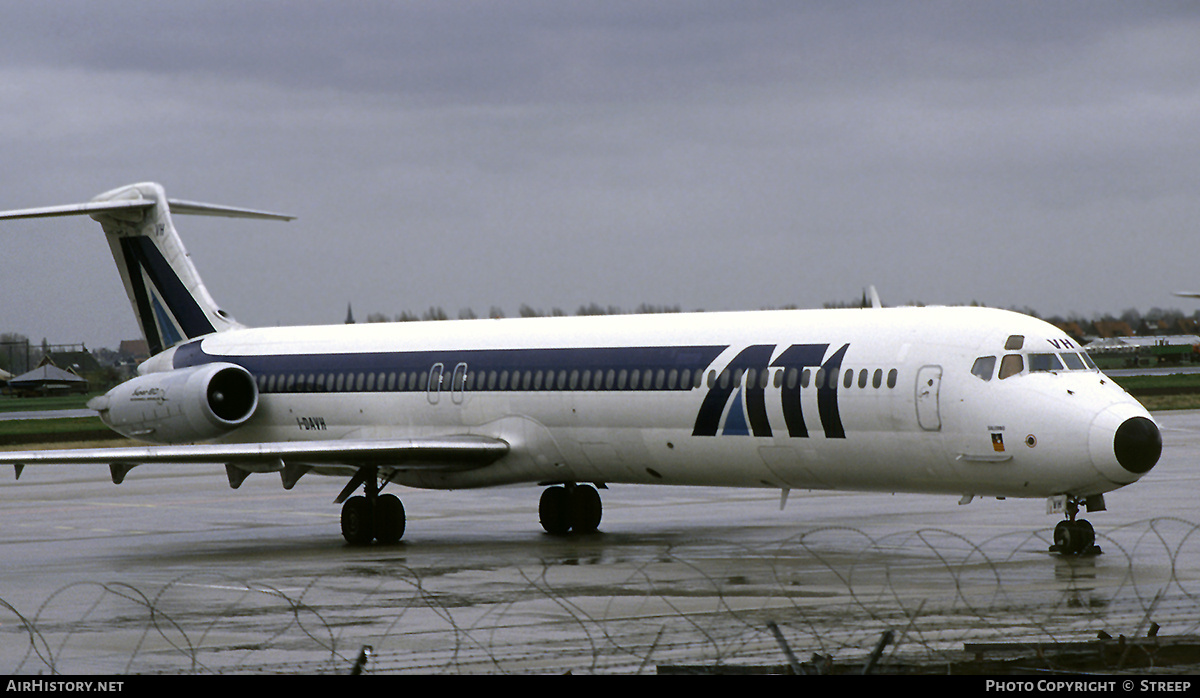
(199, 403)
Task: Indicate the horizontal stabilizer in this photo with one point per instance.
(168, 297)
(77, 209)
(192, 208)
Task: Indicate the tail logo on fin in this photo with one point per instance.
(168, 312)
(169, 298)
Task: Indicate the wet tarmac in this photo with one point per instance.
(174, 572)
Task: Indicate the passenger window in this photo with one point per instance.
(877, 379)
(1073, 362)
(984, 367)
(1044, 362)
(892, 376)
(862, 378)
(1011, 365)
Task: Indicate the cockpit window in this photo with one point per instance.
(1011, 365)
(1073, 362)
(984, 367)
(1044, 362)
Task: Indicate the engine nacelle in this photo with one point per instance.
(191, 404)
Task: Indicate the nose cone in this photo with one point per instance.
(1137, 445)
(1125, 443)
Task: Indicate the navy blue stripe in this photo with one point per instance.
(602, 360)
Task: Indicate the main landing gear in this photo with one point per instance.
(1074, 536)
(371, 516)
(570, 508)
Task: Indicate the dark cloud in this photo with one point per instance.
(708, 155)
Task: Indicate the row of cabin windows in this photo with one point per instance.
(459, 378)
(1042, 362)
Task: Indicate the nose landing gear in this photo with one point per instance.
(1074, 536)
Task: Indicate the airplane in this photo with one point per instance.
(965, 401)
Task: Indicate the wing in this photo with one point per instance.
(291, 458)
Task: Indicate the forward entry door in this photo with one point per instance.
(929, 380)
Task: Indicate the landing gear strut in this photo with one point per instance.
(371, 516)
(570, 507)
(1074, 536)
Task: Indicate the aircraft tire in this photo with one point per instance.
(1086, 534)
(554, 511)
(586, 509)
(358, 525)
(389, 519)
(1074, 537)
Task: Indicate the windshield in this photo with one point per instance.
(1040, 362)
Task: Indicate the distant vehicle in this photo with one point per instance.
(963, 401)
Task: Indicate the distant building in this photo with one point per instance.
(46, 379)
(136, 350)
(80, 362)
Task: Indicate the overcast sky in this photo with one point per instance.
(710, 155)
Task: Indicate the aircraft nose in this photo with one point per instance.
(1125, 443)
(1137, 445)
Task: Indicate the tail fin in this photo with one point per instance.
(169, 299)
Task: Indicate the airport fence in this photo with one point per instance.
(827, 599)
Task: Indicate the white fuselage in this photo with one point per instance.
(870, 399)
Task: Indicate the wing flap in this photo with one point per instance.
(461, 452)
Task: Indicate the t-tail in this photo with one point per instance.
(169, 299)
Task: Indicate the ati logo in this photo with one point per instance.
(748, 413)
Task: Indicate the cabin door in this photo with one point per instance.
(929, 380)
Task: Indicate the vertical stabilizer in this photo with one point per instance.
(168, 297)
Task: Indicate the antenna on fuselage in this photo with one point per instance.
(870, 295)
